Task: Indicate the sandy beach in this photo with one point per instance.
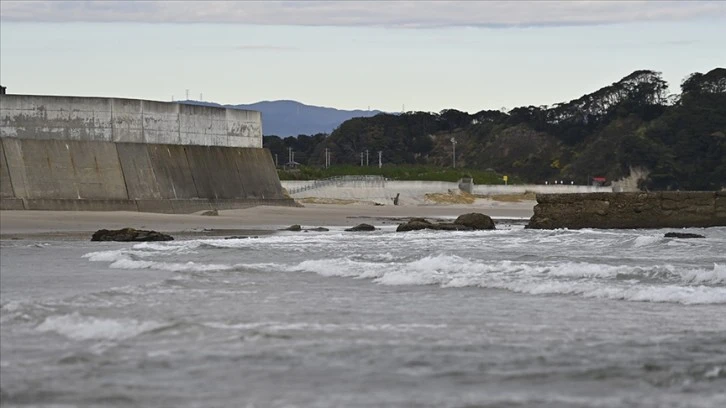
(249, 221)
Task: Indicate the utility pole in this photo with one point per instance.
(366, 157)
(453, 154)
(289, 155)
(380, 162)
(327, 157)
(276, 162)
(361, 159)
(187, 94)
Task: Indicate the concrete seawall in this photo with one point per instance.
(126, 121)
(668, 209)
(68, 153)
(81, 175)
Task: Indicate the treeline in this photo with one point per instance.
(680, 140)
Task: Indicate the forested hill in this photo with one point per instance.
(679, 140)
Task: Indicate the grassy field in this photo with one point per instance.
(403, 172)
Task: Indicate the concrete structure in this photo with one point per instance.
(377, 189)
(667, 209)
(126, 121)
(73, 153)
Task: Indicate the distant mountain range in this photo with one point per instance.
(292, 118)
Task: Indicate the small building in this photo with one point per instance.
(598, 181)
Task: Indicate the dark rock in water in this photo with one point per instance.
(129, 234)
(294, 227)
(414, 224)
(318, 229)
(476, 221)
(466, 222)
(362, 227)
(211, 213)
(682, 235)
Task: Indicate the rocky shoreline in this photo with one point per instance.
(667, 209)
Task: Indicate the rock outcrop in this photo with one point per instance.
(316, 229)
(362, 227)
(667, 209)
(476, 221)
(129, 235)
(465, 222)
(682, 235)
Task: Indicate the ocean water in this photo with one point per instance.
(505, 318)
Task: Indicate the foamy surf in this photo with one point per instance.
(78, 327)
(557, 262)
(664, 283)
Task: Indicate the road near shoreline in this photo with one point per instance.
(249, 221)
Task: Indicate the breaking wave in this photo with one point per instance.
(78, 327)
(654, 284)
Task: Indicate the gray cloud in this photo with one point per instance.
(395, 14)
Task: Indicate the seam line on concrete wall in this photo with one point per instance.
(191, 172)
(123, 173)
(143, 132)
(10, 179)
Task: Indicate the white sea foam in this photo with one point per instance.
(704, 276)
(646, 240)
(655, 284)
(170, 266)
(12, 306)
(78, 327)
(338, 267)
(398, 264)
(276, 326)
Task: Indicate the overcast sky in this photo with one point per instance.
(353, 55)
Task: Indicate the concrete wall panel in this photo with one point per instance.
(141, 183)
(97, 171)
(161, 122)
(55, 169)
(215, 172)
(128, 126)
(204, 123)
(256, 168)
(48, 169)
(244, 128)
(172, 171)
(16, 166)
(55, 117)
(6, 185)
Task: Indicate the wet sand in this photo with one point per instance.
(248, 221)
